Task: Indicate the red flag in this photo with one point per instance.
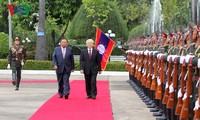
(11, 9)
(104, 45)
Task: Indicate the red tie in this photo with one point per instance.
(90, 53)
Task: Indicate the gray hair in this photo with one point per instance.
(89, 40)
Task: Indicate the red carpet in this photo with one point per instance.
(30, 81)
(77, 107)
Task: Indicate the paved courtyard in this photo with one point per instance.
(20, 105)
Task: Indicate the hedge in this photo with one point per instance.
(47, 65)
(3, 45)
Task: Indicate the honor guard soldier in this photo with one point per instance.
(16, 59)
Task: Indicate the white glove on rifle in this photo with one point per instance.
(198, 64)
(166, 86)
(179, 93)
(185, 96)
(22, 63)
(171, 88)
(158, 81)
(197, 106)
(8, 67)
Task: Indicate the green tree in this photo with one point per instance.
(63, 11)
(175, 10)
(81, 26)
(134, 11)
(97, 10)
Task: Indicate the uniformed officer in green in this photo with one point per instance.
(16, 58)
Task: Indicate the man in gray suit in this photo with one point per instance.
(90, 65)
(63, 62)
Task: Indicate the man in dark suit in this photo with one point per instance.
(90, 65)
(63, 62)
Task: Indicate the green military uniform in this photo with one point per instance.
(16, 58)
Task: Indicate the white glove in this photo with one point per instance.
(158, 81)
(182, 58)
(8, 67)
(179, 93)
(153, 76)
(132, 65)
(22, 63)
(166, 86)
(197, 106)
(185, 96)
(136, 67)
(198, 64)
(171, 88)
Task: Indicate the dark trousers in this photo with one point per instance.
(90, 82)
(16, 73)
(63, 83)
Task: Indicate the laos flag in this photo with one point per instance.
(104, 45)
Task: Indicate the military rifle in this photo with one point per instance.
(158, 94)
(197, 103)
(155, 69)
(173, 86)
(127, 65)
(149, 77)
(144, 76)
(185, 111)
(137, 64)
(169, 79)
(132, 72)
(154, 77)
(197, 111)
(182, 87)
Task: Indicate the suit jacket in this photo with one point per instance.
(67, 63)
(88, 65)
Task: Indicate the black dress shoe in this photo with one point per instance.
(88, 97)
(66, 96)
(60, 96)
(93, 97)
(16, 88)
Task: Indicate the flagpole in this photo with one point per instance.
(10, 26)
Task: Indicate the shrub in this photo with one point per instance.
(137, 31)
(47, 65)
(4, 45)
(117, 51)
(115, 66)
(81, 26)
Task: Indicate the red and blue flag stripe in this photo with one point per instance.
(104, 45)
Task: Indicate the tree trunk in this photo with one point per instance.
(62, 35)
(198, 12)
(53, 37)
(41, 47)
(194, 11)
